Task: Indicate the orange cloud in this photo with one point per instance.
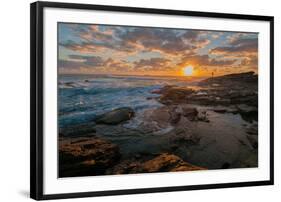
(101, 48)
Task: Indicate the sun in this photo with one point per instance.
(187, 71)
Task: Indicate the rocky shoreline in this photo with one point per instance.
(212, 125)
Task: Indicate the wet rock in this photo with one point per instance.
(253, 139)
(164, 162)
(171, 119)
(248, 113)
(182, 134)
(226, 109)
(70, 84)
(175, 115)
(183, 137)
(156, 120)
(201, 92)
(190, 112)
(223, 90)
(243, 108)
(220, 110)
(77, 130)
(203, 116)
(175, 95)
(167, 162)
(175, 118)
(211, 98)
(252, 129)
(232, 110)
(228, 90)
(116, 116)
(223, 101)
(86, 156)
(156, 91)
(162, 90)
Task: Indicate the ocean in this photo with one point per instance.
(83, 97)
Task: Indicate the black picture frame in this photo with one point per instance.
(36, 98)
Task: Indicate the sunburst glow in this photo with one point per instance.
(187, 71)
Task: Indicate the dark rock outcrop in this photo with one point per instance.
(174, 95)
(230, 79)
(237, 93)
(116, 116)
(86, 156)
(248, 113)
(232, 89)
(168, 162)
(164, 162)
(190, 112)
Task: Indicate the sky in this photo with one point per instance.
(128, 50)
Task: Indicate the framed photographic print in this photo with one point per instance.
(136, 100)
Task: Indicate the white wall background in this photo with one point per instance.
(14, 100)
